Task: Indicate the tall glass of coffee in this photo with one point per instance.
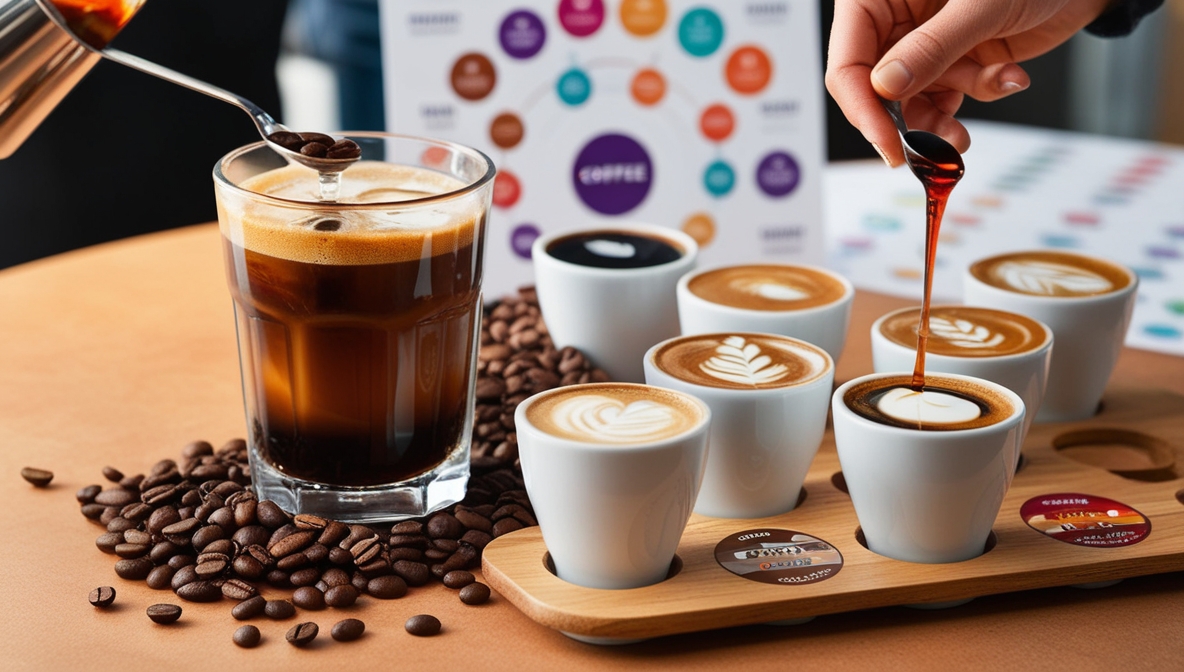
(358, 323)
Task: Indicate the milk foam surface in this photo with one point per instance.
(767, 287)
(370, 225)
(966, 331)
(927, 407)
(1041, 277)
(741, 360)
(615, 415)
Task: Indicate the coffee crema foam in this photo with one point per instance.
(617, 414)
(1047, 273)
(767, 287)
(966, 331)
(356, 229)
(945, 404)
(741, 361)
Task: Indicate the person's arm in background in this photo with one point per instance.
(931, 53)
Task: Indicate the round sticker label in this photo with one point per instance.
(1085, 520)
(612, 174)
(782, 557)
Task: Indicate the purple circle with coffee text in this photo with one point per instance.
(522, 34)
(522, 238)
(581, 18)
(778, 174)
(612, 174)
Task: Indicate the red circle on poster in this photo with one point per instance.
(717, 122)
(506, 189)
(1085, 520)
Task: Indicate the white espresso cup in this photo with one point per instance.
(798, 301)
(926, 472)
(768, 396)
(1006, 348)
(1086, 301)
(610, 291)
(612, 470)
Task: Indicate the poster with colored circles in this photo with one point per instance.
(701, 116)
(1025, 188)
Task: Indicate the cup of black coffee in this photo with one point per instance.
(927, 469)
(610, 291)
(358, 323)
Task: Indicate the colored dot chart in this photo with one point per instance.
(1024, 188)
(701, 116)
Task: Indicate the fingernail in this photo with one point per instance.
(893, 77)
(882, 154)
(1011, 87)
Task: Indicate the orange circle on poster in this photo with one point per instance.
(717, 122)
(473, 76)
(506, 130)
(648, 87)
(748, 69)
(506, 189)
(701, 227)
(643, 17)
(434, 157)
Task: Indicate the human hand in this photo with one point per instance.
(929, 54)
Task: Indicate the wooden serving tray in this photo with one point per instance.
(1137, 434)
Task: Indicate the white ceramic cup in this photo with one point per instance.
(1089, 332)
(1025, 373)
(824, 325)
(612, 315)
(612, 509)
(763, 436)
(926, 495)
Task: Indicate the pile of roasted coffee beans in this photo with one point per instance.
(194, 526)
(518, 359)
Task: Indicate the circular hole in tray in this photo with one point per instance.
(675, 566)
(840, 482)
(992, 540)
(1122, 452)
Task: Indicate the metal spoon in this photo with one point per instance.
(929, 155)
(266, 124)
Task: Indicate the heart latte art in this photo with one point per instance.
(617, 414)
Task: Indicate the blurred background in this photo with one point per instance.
(126, 154)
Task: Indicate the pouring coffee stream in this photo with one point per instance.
(939, 167)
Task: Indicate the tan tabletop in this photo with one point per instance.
(120, 354)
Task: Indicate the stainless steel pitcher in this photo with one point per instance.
(40, 62)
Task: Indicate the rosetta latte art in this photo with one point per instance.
(738, 361)
(1042, 277)
(963, 333)
(604, 419)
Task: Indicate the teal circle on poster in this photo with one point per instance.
(574, 87)
(719, 178)
(700, 32)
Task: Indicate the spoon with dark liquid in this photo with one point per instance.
(330, 157)
(939, 167)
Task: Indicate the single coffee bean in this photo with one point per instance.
(389, 587)
(252, 535)
(308, 597)
(161, 518)
(474, 594)
(211, 568)
(184, 576)
(164, 613)
(335, 576)
(160, 577)
(38, 477)
(477, 538)
(270, 515)
(244, 513)
(458, 579)
(365, 550)
(281, 532)
(87, 494)
(314, 149)
(307, 521)
(205, 535)
(287, 140)
(412, 554)
(112, 474)
(279, 609)
(464, 558)
(182, 528)
(302, 634)
(436, 555)
(102, 596)
(474, 521)
(305, 577)
(247, 636)
(199, 591)
(340, 556)
(137, 537)
(348, 630)
(333, 533)
(120, 524)
(224, 518)
(505, 526)
(445, 525)
(417, 541)
(135, 569)
(344, 149)
(414, 573)
(340, 597)
(423, 625)
(132, 550)
(249, 608)
(407, 527)
(237, 589)
(278, 578)
(248, 567)
(93, 511)
(116, 497)
(107, 541)
(316, 553)
(182, 560)
(221, 546)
